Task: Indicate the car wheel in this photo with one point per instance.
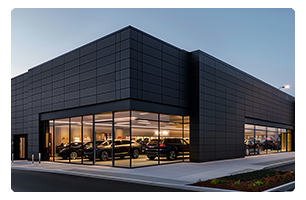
(135, 153)
(171, 155)
(151, 158)
(104, 156)
(73, 155)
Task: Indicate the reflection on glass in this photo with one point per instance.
(260, 142)
(282, 135)
(172, 145)
(103, 134)
(143, 131)
(144, 115)
(249, 141)
(76, 145)
(87, 138)
(123, 148)
(249, 126)
(49, 141)
(289, 142)
(273, 141)
(104, 117)
(140, 139)
(186, 136)
(61, 140)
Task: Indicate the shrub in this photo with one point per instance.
(237, 182)
(257, 183)
(217, 181)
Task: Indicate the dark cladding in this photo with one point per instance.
(130, 71)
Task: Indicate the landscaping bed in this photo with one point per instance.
(255, 181)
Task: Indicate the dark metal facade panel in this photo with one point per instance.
(130, 69)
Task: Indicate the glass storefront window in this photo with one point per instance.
(249, 126)
(249, 141)
(104, 117)
(186, 136)
(104, 139)
(282, 135)
(123, 138)
(87, 138)
(260, 141)
(289, 140)
(144, 115)
(272, 142)
(123, 146)
(143, 132)
(61, 140)
(76, 144)
(49, 140)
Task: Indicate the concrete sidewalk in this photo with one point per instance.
(176, 175)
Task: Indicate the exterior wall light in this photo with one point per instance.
(285, 86)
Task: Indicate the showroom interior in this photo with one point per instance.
(129, 100)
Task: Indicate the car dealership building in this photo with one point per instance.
(129, 93)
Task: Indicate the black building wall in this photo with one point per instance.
(127, 64)
(130, 69)
(222, 99)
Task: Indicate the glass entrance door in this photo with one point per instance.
(22, 147)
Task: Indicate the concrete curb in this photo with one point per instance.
(152, 183)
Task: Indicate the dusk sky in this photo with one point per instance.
(260, 42)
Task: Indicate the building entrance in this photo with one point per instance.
(20, 147)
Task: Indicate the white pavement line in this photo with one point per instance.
(145, 182)
(281, 187)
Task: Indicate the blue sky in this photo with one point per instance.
(260, 42)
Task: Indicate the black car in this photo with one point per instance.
(74, 150)
(122, 148)
(271, 143)
(143, 144)
(169, 148)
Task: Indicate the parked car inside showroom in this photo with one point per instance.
(251, 147)
(170, 148)
(74, 150)
(122, 148)
(271, 143)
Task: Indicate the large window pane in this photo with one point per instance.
(49, 141)
(144, 115)
(143, 132)
(171, 139)
(289, 140)
(104, 117)
(87, 137)
(272, 143)
(249, 141)
(61, 140)
(76, 144)
(123, 147)
(282, 135)
(186, 137)
(260, 142)
(103, 135)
